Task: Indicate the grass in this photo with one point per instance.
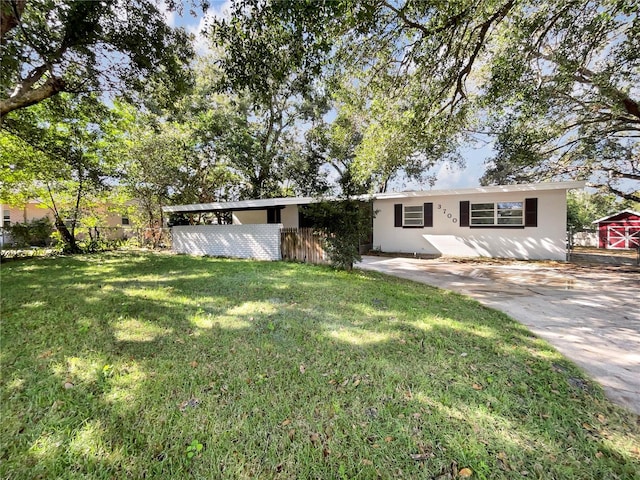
(158, 366)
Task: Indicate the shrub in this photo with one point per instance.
(347, 224)
(35, 233)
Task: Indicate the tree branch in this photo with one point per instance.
(51, 87)
(10, 16)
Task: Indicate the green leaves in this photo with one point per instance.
(194, 449)
(70, 46)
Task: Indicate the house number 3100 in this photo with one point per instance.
(448, 215)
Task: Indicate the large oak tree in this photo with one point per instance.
(555, 81)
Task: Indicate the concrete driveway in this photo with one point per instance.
(591, 314)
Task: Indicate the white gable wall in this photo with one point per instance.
(447, 237)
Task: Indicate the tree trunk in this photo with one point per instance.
(69, 240)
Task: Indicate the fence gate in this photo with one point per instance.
(302, 244)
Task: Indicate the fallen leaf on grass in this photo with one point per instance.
(465, 473)
(303, 368)
(364, 461)
(421, 457)
(599, 454)
(315, 438)
(503, 461)
(292, 433)
(285, 422)
(192, 402)
(194, 364)
(68, 385)
(476, 386)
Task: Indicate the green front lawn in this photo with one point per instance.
(159, 366)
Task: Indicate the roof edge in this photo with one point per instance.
(627, 210)
(284, 201)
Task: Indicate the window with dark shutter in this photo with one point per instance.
(464, 214)
(397, 215)
(428, 214)
(531, 212)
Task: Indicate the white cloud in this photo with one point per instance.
(218, 10)
(169, 16)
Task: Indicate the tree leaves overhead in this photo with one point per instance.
(574, 113)
(407, 63)
(50, 47)
(555, 81)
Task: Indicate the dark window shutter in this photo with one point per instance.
(531, 212)
(397, 215)
(428, 214)
(464, 214)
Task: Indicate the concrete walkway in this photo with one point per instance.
(590, 314)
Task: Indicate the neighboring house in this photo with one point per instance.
(619, 231)
(508, 221)
(34, 210)
(11, 214)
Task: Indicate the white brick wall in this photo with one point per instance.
(259, 241)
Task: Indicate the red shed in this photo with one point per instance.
(620, 230)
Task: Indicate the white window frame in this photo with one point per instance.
(415, 217)
(497, 214)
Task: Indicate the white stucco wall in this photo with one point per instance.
(288, 216)
(258, 241)
(447, 237)
(246, 217)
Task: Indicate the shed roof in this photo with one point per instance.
(282, 202)
(608, 217)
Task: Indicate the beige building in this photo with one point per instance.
(114, 227)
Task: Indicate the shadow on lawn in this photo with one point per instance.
(232, 350)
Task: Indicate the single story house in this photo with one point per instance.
(524, 221)
(619, 231)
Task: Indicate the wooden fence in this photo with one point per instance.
(303, 245)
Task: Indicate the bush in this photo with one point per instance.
(99, 245)
(347, 224)
(35, 233)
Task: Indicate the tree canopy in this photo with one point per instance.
(74, 46)
(555, 82)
